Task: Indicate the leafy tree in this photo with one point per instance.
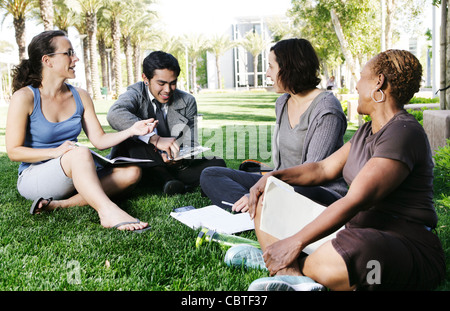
(355, 23)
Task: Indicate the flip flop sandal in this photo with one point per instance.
(132, 222)
(36, 202)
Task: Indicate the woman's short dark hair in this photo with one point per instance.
(29, 71)
(160, 60)
(298, 63)
(402, 70)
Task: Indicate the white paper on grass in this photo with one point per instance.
(215, 218)
(285, 212)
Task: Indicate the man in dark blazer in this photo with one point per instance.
(157, 97)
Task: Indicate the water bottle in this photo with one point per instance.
(225, 240)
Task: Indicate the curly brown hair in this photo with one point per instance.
(402, 71)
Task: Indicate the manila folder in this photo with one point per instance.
(285, 212)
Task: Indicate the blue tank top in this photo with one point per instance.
(42, 133)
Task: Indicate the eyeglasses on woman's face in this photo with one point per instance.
(69, 53)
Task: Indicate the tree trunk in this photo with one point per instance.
(117, 70)
(137, 62)
(129, 59)
(255, 69)
(91, 23)
(46, 8)
(194, 75)
(344, 47)
(390, 9)
(103, 61)
(444, 51)
(447, 48)
(219, 74)
(19, 29)
(87, 67)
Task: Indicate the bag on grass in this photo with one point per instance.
(253, 166)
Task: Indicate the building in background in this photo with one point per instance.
(237, 64)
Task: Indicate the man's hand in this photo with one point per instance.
(167, 144)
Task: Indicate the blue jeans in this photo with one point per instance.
(226, 184)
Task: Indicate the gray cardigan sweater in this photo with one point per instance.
(324, 136)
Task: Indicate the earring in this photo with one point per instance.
(373, 97)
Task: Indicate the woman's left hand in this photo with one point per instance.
(281, 254)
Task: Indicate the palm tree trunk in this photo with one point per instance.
(117, 69)
(87, 67)
(194, 75)
(103, 61)
(219, 74)
(255, 69)
(46, 8)
(137, 62)
(19, 29)
(129, 59)
(91, 23)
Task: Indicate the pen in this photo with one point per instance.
(229, 204)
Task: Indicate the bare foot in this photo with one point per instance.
(115, 216)
(45, 205)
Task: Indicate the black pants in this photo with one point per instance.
(186, 170)
(225, 184)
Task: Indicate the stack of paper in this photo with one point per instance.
(215, 218)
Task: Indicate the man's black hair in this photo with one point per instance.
(160, 60)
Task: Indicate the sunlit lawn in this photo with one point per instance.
(69, 250)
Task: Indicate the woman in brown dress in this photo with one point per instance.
(388, 241)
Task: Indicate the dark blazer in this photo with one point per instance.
(135, 105)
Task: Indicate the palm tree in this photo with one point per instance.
(63, 17)
(126, 27)
(254, 44)
(141, 34)
(79, 22)
(18, 9)
(140, 31)
(116, 9)
(195, 44)
(89, 9)
(218, 45)
(46, 9)
(104, 42)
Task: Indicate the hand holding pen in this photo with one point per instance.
(240, 205)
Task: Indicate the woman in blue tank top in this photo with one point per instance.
(45, 117)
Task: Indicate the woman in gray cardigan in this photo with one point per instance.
(310, 125)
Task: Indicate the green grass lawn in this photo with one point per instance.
(68, 250)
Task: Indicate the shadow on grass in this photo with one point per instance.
(237, 117)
